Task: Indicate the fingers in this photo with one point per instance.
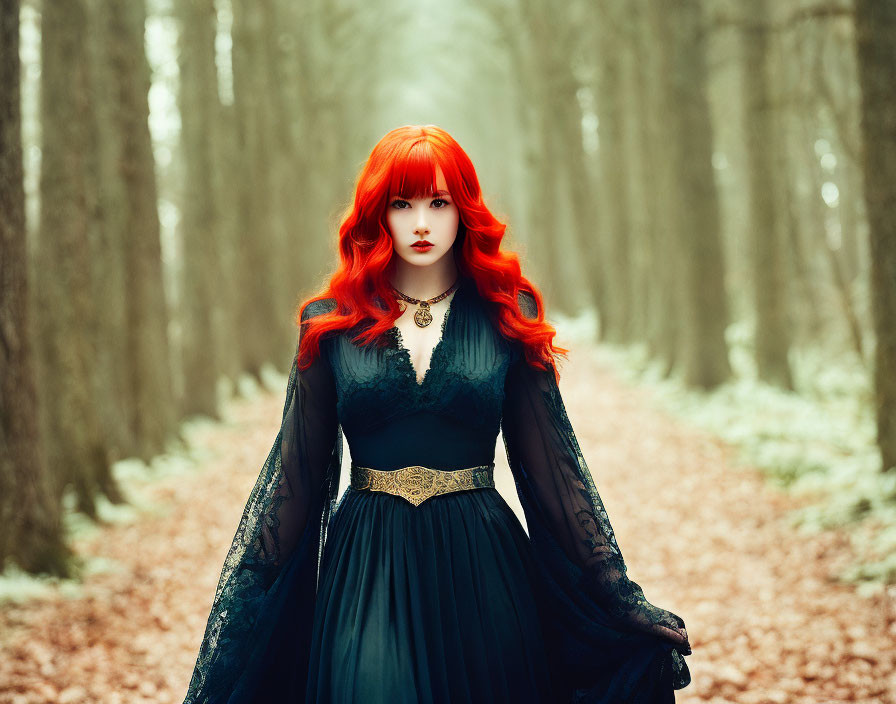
(686, 646)
(679, 636)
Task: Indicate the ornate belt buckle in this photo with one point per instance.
(416, 483)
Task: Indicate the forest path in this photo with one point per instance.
(704, 537)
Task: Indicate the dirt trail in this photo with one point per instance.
(704, 537)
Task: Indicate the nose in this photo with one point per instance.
(422, 228)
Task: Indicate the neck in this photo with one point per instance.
(425, 282)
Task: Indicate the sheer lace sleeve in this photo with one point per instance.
(268, 582)
(568, 525)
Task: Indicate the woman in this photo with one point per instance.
(420, 584)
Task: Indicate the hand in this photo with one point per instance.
(663, 623)
(677, 635)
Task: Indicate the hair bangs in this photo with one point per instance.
(413, 173)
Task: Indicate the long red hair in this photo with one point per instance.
(404, 162)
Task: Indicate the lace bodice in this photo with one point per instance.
(456, 409)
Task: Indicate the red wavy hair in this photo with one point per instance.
(404, 161)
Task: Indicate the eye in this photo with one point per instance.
(442, 200)
(395, 203)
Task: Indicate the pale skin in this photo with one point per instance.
(423, 274)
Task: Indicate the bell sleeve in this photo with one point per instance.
(606, 642)
(257, 639)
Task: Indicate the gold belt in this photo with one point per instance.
(417, 484)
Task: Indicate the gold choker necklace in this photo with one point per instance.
(422, 316)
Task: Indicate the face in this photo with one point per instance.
(433, 220)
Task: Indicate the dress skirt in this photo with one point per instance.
(426, 604)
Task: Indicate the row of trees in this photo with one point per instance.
(740, 176)
(89, 360)
(706, 162)
(108, 343)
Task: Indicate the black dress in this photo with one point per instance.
(372, 599)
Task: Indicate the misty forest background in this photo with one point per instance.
(705, 189)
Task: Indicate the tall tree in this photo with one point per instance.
(152, 414)
(614, 182)
(283, 165)
(73, 434)
(772, 338)
(657, 181)
(876, 49)
(107, 222)
(553, 238)
(32, 534)
(199, 111)
(700, 298)
(260, 316)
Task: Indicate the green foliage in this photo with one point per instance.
(818, 442)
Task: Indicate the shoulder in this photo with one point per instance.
(528, 305)
(318, 307)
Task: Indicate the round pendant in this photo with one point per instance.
(422, 316)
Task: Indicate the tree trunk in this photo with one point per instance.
(660, 103)
(73, 434)
(876, 49)
(772, 337)
(33, 532)
(645, 196)
(199, 111)
(698, 263)
(106, 198)
(613, 188)
(260, 319)
(153, 414)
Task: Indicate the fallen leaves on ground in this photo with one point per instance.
(706, 538)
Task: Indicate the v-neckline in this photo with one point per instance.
(405, 353)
